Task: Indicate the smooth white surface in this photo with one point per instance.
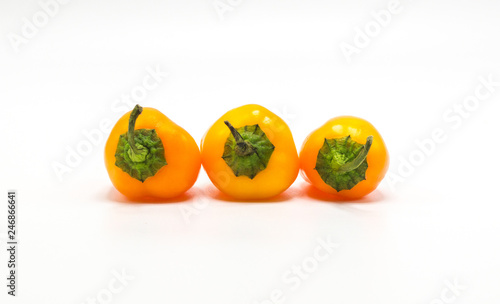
(395, 246)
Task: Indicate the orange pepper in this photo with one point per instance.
(160, 159)
(346, 157)
(255, 159)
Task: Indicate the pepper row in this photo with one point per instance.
(249, 154)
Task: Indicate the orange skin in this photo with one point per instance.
(181, 152)
(281, 171)
(359, 129)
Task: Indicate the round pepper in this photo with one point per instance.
(148, 155)
(346, 157)
(249, 154)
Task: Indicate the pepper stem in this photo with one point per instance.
(137, 152)
(356, 162)
(236, 135)
(243, 147)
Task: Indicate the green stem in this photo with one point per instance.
(355, 163)
(131, 126)
(236, 135)
(243, 147)
(137, 152)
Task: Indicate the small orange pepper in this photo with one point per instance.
(148, 156)
(249, 154)
(346, 157)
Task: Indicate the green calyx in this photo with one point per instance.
(247, 150)
(341, 162)
(139, 153)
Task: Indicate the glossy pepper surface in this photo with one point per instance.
(346, 157)
(148, 156)
(249, 154)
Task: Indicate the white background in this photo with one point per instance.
(401, 244)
